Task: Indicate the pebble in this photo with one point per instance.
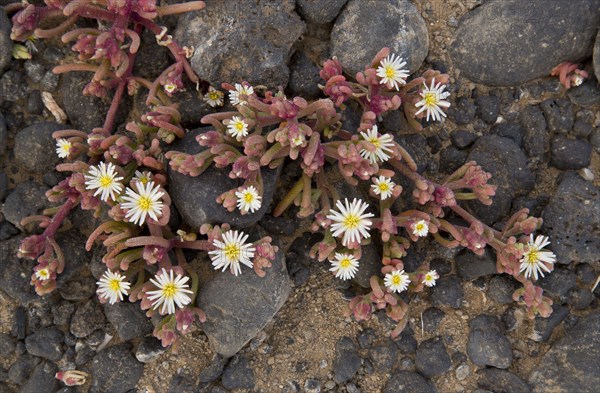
(501, 289)
(27, 199)
(569, 153)
(214, 369)
(46, 343)
(346, 362)
(87, 318)
(432, 318)
(383, 356)
(462, 372)
(494, 379)
(238, 374)
(535, 139)
(128, 320)
(470, 266)
(319, 11)
(447, 292)
(432, 358)
(487, 345)
(463, 139)
(545, 326)
(408, 381)
(559, 115)
(487, 108)
(42, 379)
(115, 370)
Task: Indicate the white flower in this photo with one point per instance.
(397, 281)
(391, 72)
(237, 127)
(382, 144)
(240, 94)
(420, 228)
(350, 221)
(430, 278)
(345, 266)
(43, 274)
(63, 147)
(171, 290)
(535, 259)
(577, 80)
(432, 98)
(103, 179)
(142, 203)
(170, 88)
(213, 97)
(383, 186)
(232, 251)
(142, 177)
(112, 287)
(248, 199)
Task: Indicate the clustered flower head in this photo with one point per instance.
(535, 259)
(391, 72)
(433, 99)
(232, 251)
(63, 147)
(103, 178)
(351, 221)
(248, 199)
(145, 202)
(112, 287)
(379, 146)
(383, 187)
(172, 290)
(397, 281)
(344, 266)
(239, 96)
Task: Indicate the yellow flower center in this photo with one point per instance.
(239, 125)
(115, 284)
(431, 99)
(383, 187)
(396, 280)
(169, 290)
(43, 274)
(213, 95)
(390, 72)
(66, 147)
(420, 226)
(248, 197)
(375, 142)
(105, 181)
(351, 221)
(532, 257)
(345, 263)
(232, 251)
(144, 203)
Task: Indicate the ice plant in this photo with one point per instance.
(237, 128)
(351, 221)
(384, 186)
(214, 97)
(391, 72)
(240, 94)
(248, 200)
(63, 147)
(172, 290)
(430, 278)
(103, 178)
(433, 99)
(232, 251)
(145, 202)
(344, 266)
(397, 281)
(420, 228)
(43, 274)
(535, 259)
(112, 286)
(379, 146)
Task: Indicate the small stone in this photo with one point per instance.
(487, 108)
(452, 158)
(581, 298)
(128, 319)
(35, 71)
(408, 381)
(510, 130)
(319, 11)
(462, 372)
(586, 95)
(559, 115)
(27, 199)
(365, 338)
(447, 292)
(214, 369)
(7, 230)
(559, 282)
(6, 43)
(501, 289)
(463, 112)
(115, 370)
(42, 379)
(570, 153)
(406, 342)
(49, 82)
(238, 374)
(497, 380)
(181, 384)
(432, 318)
(487, 345)
(7, 344)
(87, 318)
(441, 266)
(3, 138)
(15, 275)
(35, 105)
(585, 273)
(304, 76)
(22, 368)
(346, 362)
(46, 343)
(535, 140)
(149, 349)
(384, 356)
(463, 139)
(12, 86)
(470, 266)
(312, 386)
(545, 326)
(432, 358)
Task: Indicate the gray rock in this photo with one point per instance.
(535, 139)
(570, 153)
(501, 289)
(87, 318)
(559, 115)
(232, 44)
(432, 318)
(312, 386)
(12, 86)
(510, 130)
(237, 308)
(115, 370)
(77, 258)
(383, 356)
(508, 165)
(487, 345)
(463, 112)
(6, 43)
(15, 273)
(149, 349)
(597, 56)
(46, 343)
(432, 358)
(369, 265)
(7, 344)
(396, 24)
(304, 77)
(587, 95)
(559, 31)
(406, 342)
(42, 379)
(408, 381)
(238, 374)
(27, 199)
(447, 292)
(571, 221)
(487, 108)
(462, 138)
(62, 313)
(319, 11)
(128, 319)
(181, 384)
(571, 365)
(471, 266)
(501, 381)
(545, 326)
(346, 361)
(580, 298)
(451, 158)
(213, 370)
(22, 368)
(559, 282)
(35, 71)
(195, 197)
(3, 138)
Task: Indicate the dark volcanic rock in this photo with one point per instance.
(304, 77)
(535, 140)
(447, 292)
(597, 56)
(395, 24)
(559, 115)
(46, 343)
(586, 95)
(128, 319)
(487, 344)
(571, 365)
(319, 11)
(545, 326)
(501, 381)
(463, 112)
(115, 370)
(432, 358)
(570, 153)
(432, 318)
(87, 318)
(557, 32)
(463, 139)
(383, 356)
(238, 374)
(213, 370)
(452, 158)
(149, 349)
(346, 362)
(571, 221)
(25, 200)
(501, 289)
(471, 266)
(513, 131)
(15, 273)
(22, 368)
(408, 381)
(237, 308)
(3, 138)
(6, 43)
(42, 379)
(508, 165)
(195, 197)
(487, 108)
(232, 42)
